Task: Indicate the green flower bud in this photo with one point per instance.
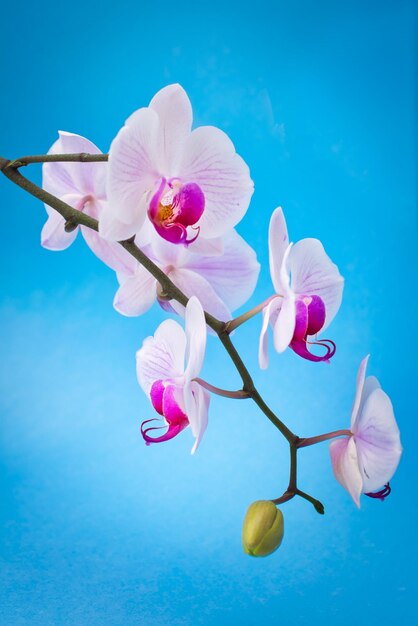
(263, 528)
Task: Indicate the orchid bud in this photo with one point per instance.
(263, 528)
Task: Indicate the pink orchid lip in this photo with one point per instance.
(174, 207)
(310, 318)
(163, 397)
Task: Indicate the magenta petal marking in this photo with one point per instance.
(301, 324)
(172, 431)
(382, 494)
(155, 200)
(156, 396)
(190, 203)
(171, 409)
(316, 315)
(310, 318)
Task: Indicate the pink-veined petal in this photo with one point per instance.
(210, 161)
(136, 294)
(345, 466)
(207, 247)
(133, 171)
(378, 441)
(278, 244)
(196, 401)
(233, 275)
(175, 123)
(361, 375)
(284, 326)
(313, 273)
(53, 235)
(192, 284)
(161, 356)
(196, 338)
(112, 229)
(73, 176)
(269, 312)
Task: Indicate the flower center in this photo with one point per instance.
(174, 207)
(166, 398)
(310, 318)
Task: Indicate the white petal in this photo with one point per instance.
(269, 311)
(278, 244)
(53, 235)
(361, 375)
(210, 161)
(113, 229)
(378, 441)
(192, 284)
(74, 177)
(345, 466)
(285, 324)
(136, 294)
(161, 356)
(196, 338)
(233, 275)
(196, 401)
(207, 247)
(175, 123)
(110, 252)
(133, 170)
(313, 273)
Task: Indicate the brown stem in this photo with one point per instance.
(311, 441)
(240, 394)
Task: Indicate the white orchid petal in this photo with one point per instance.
(210, 161)
(54, 236)
(196, 338)
(196, 401)
(377, 440)
(192, 284)
(278, 244)
(269, 312)
(313, 273)
(161, 356)
(345, 466)
(136, 294)
(233, 275)
(284, 326)
(361, 375)
(175, 123)
(133, 170)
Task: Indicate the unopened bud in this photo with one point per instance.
(263, 528)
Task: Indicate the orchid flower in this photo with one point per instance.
(170, 385)
(188, 183)
(367, 460)
(82, 186)
(309, 291)
(222, 282)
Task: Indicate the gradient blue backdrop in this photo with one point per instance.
(318, 98)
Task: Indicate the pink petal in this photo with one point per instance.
(161, 356)
(378, 441)
(345, 466)
(196, 338)
(74, 177)
(270, 312)
(136, 294)
(196, 401)
(192, 284)
(156, 395)
(233, 275)
(173, 405)
(285, 324)
(313, 273)
(361, 375)
(175, 123)
(278, 244)
(133, 170)
(53, 235)
(210, 161)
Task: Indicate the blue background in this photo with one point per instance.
(318, 98)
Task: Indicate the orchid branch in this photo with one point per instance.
(222, 329)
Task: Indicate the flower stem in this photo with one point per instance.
(311, 441)
(240, 394)
(241, 319)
